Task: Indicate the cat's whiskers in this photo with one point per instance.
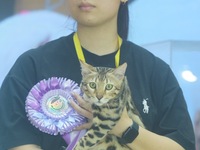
(107, 105)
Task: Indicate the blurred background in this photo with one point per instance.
(169, 29)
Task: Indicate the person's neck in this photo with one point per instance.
(98, 40)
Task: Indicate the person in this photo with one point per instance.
(155, 90)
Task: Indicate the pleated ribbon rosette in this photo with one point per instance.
(48, 109)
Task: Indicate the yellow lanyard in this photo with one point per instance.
(80, 54)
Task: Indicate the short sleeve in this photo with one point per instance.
(15, 128)
(173, 118)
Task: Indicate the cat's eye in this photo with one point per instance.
(109, 86)
(92, 85)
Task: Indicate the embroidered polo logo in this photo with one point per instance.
(145, 106)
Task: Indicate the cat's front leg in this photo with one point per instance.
(93, 136)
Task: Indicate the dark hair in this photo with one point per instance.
(123, 20)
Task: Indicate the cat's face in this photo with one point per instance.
(100, 85)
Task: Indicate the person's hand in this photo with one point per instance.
(123, 123)
(84, 109)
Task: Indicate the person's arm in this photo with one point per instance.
(151, 141)
(146, 139)
(27, 147)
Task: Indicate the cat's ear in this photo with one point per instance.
(120, 71)
(86, 68)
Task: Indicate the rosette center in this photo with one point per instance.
(55, 103)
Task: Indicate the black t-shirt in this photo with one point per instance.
(154, 88)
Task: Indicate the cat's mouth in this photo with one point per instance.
(101, 102)
(98, 103)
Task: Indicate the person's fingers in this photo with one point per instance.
(84, 104)
(81, 110)
(119, 128)
(84, 126)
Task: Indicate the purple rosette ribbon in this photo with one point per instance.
(48, 109)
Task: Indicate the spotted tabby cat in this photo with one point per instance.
(108, 92)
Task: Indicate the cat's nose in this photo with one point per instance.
(99, 97)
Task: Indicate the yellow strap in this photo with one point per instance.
(78, 48)
(80, 54)
(117, 56)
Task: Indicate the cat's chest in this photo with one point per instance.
(106, 113)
